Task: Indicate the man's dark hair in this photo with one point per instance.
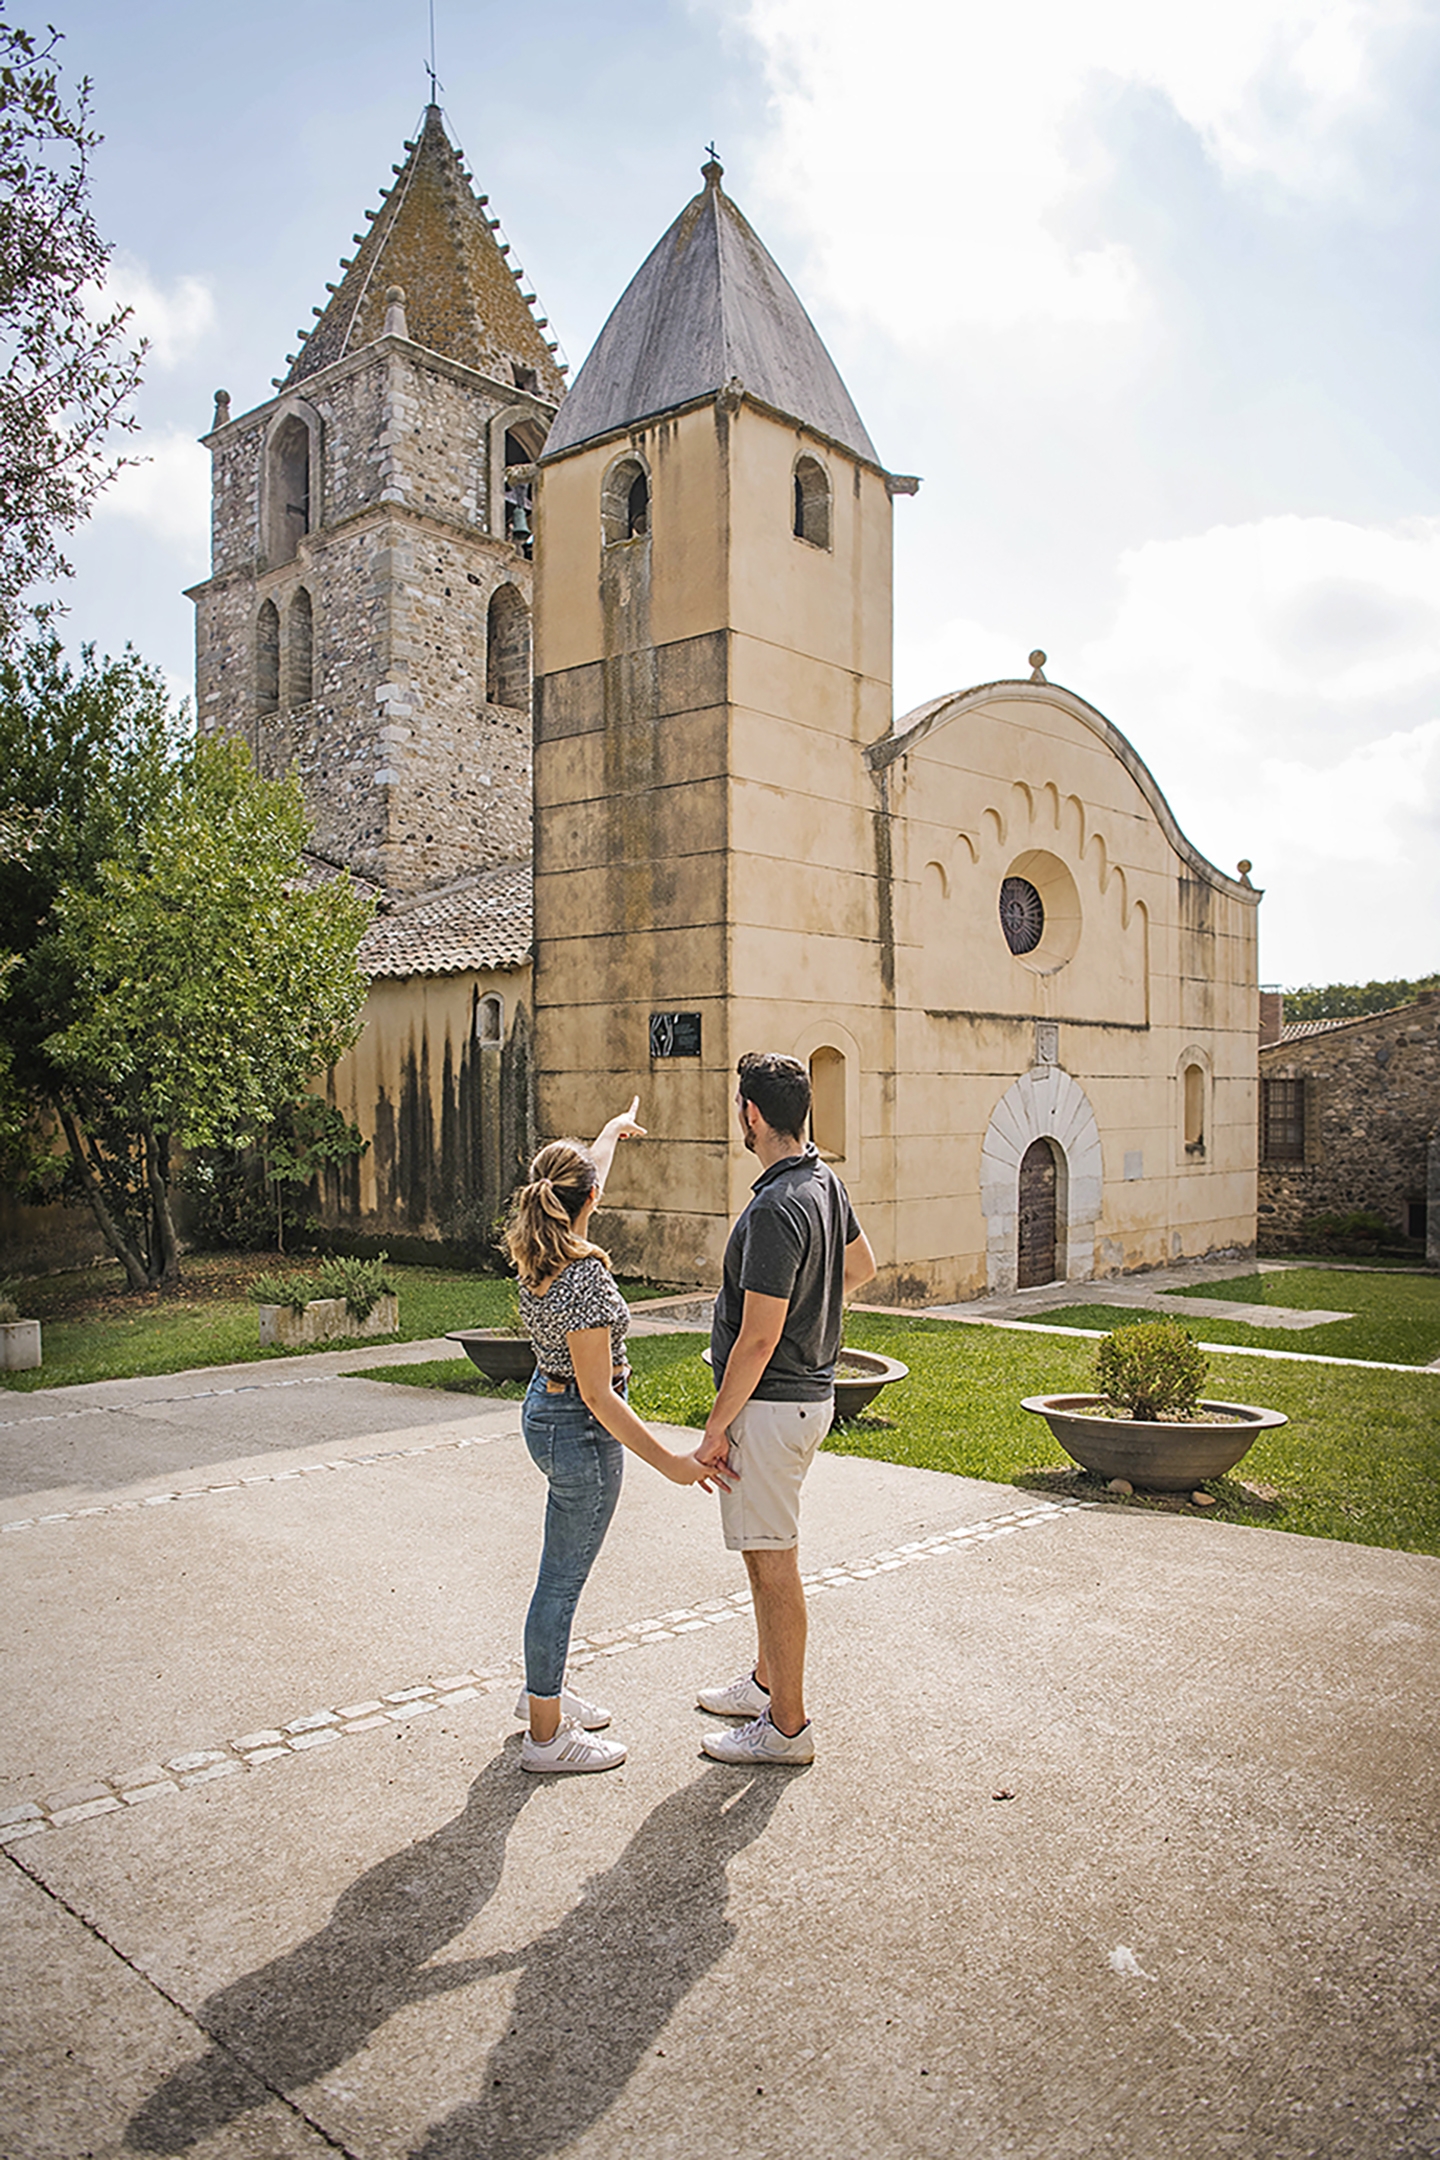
(779, 1087)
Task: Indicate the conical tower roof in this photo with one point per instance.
(433, 238)
(709, 305)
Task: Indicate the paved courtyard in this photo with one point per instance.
(1120, 1840)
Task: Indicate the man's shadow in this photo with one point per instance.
(597, 1988)
(594, 1990)
(309, 2010)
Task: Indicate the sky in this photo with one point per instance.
(1145, 294)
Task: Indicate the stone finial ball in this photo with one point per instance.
(1244, 867)
(395, 295)
(1037, 658)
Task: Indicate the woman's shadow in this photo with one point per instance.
(308, 2011)
(593, 1991)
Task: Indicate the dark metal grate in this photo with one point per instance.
(1022, 914)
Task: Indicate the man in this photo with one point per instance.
(793, 1258)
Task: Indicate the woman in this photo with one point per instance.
(577, 1425)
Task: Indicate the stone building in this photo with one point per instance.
(1349, 1111)
(1028, 1003)
(367, 613)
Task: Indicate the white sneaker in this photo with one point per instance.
(762, 1742)
(741, 1698)
(571, 1750)
(573, 1706)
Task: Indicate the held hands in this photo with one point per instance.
(692, 1470)
(714, 1453)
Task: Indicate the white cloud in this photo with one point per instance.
(933, 153)
(1282, 680)
(176, 322)
(169, 493)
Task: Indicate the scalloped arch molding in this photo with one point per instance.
(1043, 1104)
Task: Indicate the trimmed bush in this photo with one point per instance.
(1152, 1369)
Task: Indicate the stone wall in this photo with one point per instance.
(1372, 1100)
(411, 774)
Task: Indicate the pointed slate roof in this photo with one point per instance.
(708, 305)
(433, 237)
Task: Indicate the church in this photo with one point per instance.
(592, 687)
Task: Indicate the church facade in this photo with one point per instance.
(1028, 1004)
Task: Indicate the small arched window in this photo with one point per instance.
(1194, 1111)
(490, 1022)
(812, 502)
(288, 479)
(625, 502)
(827, 1102)
(300, 649)
(267, 658)
(507, 649)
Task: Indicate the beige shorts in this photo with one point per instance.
(772, 1445)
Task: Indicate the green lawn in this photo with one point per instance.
(94, 1329)
(1359, 1460)
(1397, 1317)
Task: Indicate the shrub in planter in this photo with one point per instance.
(1152, 1369)
(1150, 1426)
(342, 1296)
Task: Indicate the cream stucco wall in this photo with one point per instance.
(726, 824)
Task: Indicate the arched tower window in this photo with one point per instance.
(625, 502)
(827, 1102)
(812, 502)
(1194, 1109)
(507, 649)
(490, 1022)
(267, 658)
(288, 489)
(300, 649)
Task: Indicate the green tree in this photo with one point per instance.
(66, 377)
(176, 981)
(1350, 1001)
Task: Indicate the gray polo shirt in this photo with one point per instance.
(790, 1243)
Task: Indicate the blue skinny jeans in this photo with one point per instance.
(583, 1466)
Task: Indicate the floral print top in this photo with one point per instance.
(583, 1295)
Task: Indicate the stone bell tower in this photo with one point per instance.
(713, 622)
(367, 616)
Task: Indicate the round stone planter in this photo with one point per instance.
(1154, 1457)
(499, 1356)
(859, 1377)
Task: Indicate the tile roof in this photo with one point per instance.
(1295, 1030)
(478, 922)
(433, 238)
(707, 306)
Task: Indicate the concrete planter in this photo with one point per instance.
(325, 1319)
(859, 1377)
(19, 1345)
(1154, 1457)
(498, 1355)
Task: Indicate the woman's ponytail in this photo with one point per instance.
(540, 1235)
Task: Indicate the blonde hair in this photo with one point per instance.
(540, 1235)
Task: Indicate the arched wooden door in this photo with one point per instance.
(1036, 1259)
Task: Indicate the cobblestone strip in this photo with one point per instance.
(154, 1402)
(261, 1477)
(323, 1728)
